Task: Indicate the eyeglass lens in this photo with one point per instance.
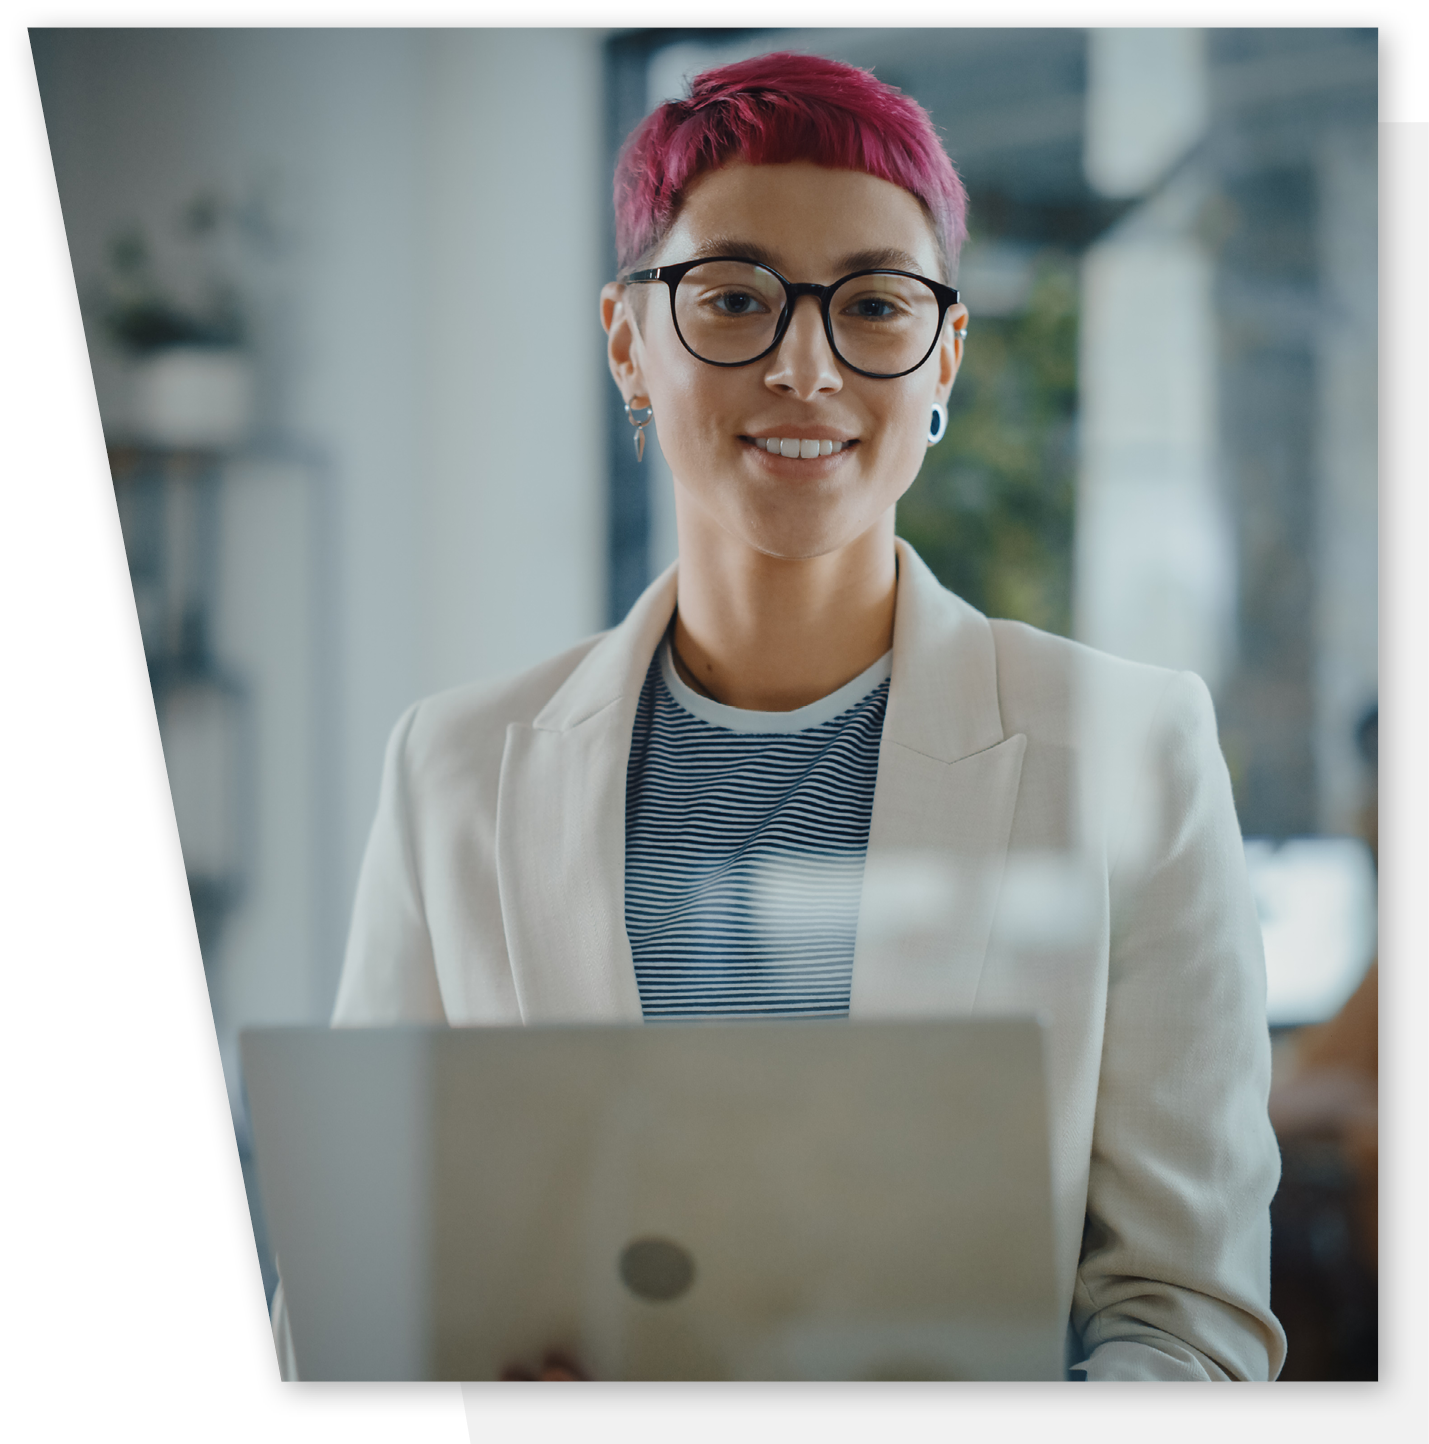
(728, 312)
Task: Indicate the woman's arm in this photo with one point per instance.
(1174, 1280)
(388, 974)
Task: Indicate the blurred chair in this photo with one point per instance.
(1324, 1106)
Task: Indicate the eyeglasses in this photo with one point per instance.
(731, 311)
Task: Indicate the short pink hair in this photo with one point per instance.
(771, 110)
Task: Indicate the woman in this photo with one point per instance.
(701, 812)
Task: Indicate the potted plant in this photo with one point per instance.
(189, 368)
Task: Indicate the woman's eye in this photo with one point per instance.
(737, 303)
(872, 308)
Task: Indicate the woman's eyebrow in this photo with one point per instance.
(734, 246)
(889, 256)
(873, 260)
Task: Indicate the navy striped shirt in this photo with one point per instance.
(745, 836)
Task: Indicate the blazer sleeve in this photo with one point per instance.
(1174, 1279)
(389, 973)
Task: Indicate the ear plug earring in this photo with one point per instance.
(639, 417)
(939, 424)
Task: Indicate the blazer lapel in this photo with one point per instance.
(942, 815)
(560, 830)
(942, 810)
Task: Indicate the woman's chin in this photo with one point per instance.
(775, 519)
(794, 537)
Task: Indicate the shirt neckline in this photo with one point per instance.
(744, 719)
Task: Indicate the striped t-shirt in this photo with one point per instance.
(745, 836)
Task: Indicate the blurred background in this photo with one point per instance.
(340, 290)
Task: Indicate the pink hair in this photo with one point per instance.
(771, 110)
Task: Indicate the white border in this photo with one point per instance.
(133, 1299)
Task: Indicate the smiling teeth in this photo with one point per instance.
(793, 446)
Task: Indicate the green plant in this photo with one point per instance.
(141, 314)
(992, 510)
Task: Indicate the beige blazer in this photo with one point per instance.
(1052, 832)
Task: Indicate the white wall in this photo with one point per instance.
(513, 513)
(429, 327)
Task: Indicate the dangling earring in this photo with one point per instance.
(639, 417)
(939, 424)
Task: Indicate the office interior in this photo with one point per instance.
(340, 286)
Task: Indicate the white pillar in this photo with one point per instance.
(1147, 103)
(1154, 574)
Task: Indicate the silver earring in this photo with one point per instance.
(639, 417)
(939, 424)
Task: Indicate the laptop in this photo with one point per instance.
(725, 1200)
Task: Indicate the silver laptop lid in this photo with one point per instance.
(755, 1200)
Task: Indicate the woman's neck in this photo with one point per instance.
(772, 634)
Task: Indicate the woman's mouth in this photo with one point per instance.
(806, 448)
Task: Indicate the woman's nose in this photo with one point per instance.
(804, 364)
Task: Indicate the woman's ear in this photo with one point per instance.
(623, 344)
(950, 349)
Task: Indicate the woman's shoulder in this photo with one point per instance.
(464, 723)
(1053, 687)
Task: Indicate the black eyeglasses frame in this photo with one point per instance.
(946, 296)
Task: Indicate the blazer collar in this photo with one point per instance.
(946, 790)
(942, 700)
(943, 806)
(614, 669)
(560, 830)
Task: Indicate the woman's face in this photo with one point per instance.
(810, 224)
